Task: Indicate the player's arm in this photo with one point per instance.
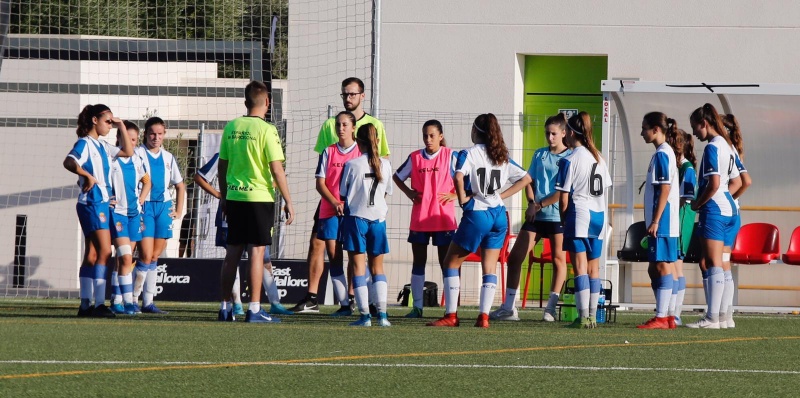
(563, 204)
(276, 167)
(736, 185)
(663, 198)
(147, 185)
(746, 182)
(326, 193)
(126, 150)
(516, 187)
(222, 174)
(73, 167)
(180, 193)
(458, 181)
(708, 192)
(202, 183)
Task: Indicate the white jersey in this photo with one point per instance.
(163, 170)
(486, 179)
(663, 174)
(125, 176)
(586, 180)
(718, 159)
(739, 166)
(362, 193)
(95, 157)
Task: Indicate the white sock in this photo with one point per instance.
(673, 300)
(225, 305)
(254, 307)
(381, 288)
(99, 284)
(452, 287)
(339, 283)
(551, 303)
(716, 287)
(87, 286)
(126, 285)
(115, 298)
(511, 299)
(488, 288)
(149, 288)
(679, 302)
(593, 301)
(727, 296)
(138, 283)
(417, 286)
(361, 294)
(705, 289)
(583, 297)
(236, 292)
(271, 288)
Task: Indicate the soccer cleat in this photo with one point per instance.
(731, 323)
(592, 323)
(136, 309)
(655, 323)
(278, 309)
(678, 321)
(383, 319)
(548, 317)
(152, 309)
(130, 309)
(344, 310)
(238, 309)
(306, 307)
(502, 314)
(101, 311)
(482, 321)
(703, 323)
(582, 323)
(416, 312)
(364, 320)
(85, 312)
(225, 316)
(723, 324)
(671, 322)
(117, 308)
(373, 310)
(260, 317)
(448, 320)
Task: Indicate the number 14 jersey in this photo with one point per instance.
(486, 178)
(586, 180)
(362, 193)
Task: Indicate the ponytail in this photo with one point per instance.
(559, 120)
(86, 118)
(670, 129)
(489, 130)
(688, 148)
(581, 127)
(732, 125)
(707, 113)
(367, 136)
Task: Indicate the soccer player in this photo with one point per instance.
(720, 177)
(90, 158)
(352, 100)
(661, 202)
(130, 184)
(331, 208)
(542, 219)
(688, 180)
(737, 147)
(164, 172)
(363, 186)
(582, 179)
(206, 179)
(433, 214)
(484, 223)
(250, 159)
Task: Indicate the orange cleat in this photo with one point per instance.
(655, 323)
(671, 322)
(448, 320)
(483, 321)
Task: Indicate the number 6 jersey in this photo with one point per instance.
(486, 178)
(586, 180)
(362, 193)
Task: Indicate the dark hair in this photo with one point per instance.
(488, 127)
(351, 80)
(254, 92)
(435, 123)
(581, 126)
(368, 136)
(155, 120)
(129, 125)
(670, 129)
(735, 133)
(349, 115)
(559, 120)
(709, 114)
(86, 118)
(688, 148)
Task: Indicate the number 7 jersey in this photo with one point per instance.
(486, 178)
(586, 180)
(362, 193)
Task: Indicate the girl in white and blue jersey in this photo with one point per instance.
(582, 179)
(164, 172)
(661, 208)
(687, 176)
(542, 219)
(484, 223)
(363, 186)
(130, 182)
(90, 158)
(718, 178)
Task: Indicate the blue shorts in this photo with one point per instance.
(662, 250)
(730, 235)
(130, 227)
(485, 229)
(544, 228)
(716, 226)
(592, 246)
(157, 222)
(93, 217)
(328, 228)
(440, 238)
(364, 236)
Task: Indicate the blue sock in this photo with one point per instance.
(663, 295)
(362, 293)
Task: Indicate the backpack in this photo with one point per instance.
(430, 295)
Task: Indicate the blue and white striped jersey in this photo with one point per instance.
(125, 176)
(663, 174)
(95, 157)
(163, 170)
(586, 181)
(718, 159)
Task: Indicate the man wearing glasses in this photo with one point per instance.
(352, 100)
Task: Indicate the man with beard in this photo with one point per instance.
(352, 99)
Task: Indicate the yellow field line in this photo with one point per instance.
(384, 356)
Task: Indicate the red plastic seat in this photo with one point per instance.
(756, 243)
(545, 258)
(792, 256)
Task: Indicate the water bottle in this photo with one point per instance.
(601, 312)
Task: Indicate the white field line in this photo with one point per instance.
(414, 365)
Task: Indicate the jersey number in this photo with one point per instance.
(595, 182)
(494, 181)
(372, 188)
(730, 166)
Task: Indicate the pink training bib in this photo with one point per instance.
(333, 174)
(430, 177)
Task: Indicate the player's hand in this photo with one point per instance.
(174, 214)
(413, 195)
(288, 210)
(112, 201)
(652, 229)
(695, 207)
(88, 183)
(217, 194)
(340, 209)
(530, 214)
(447, 197)
(118, 122)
